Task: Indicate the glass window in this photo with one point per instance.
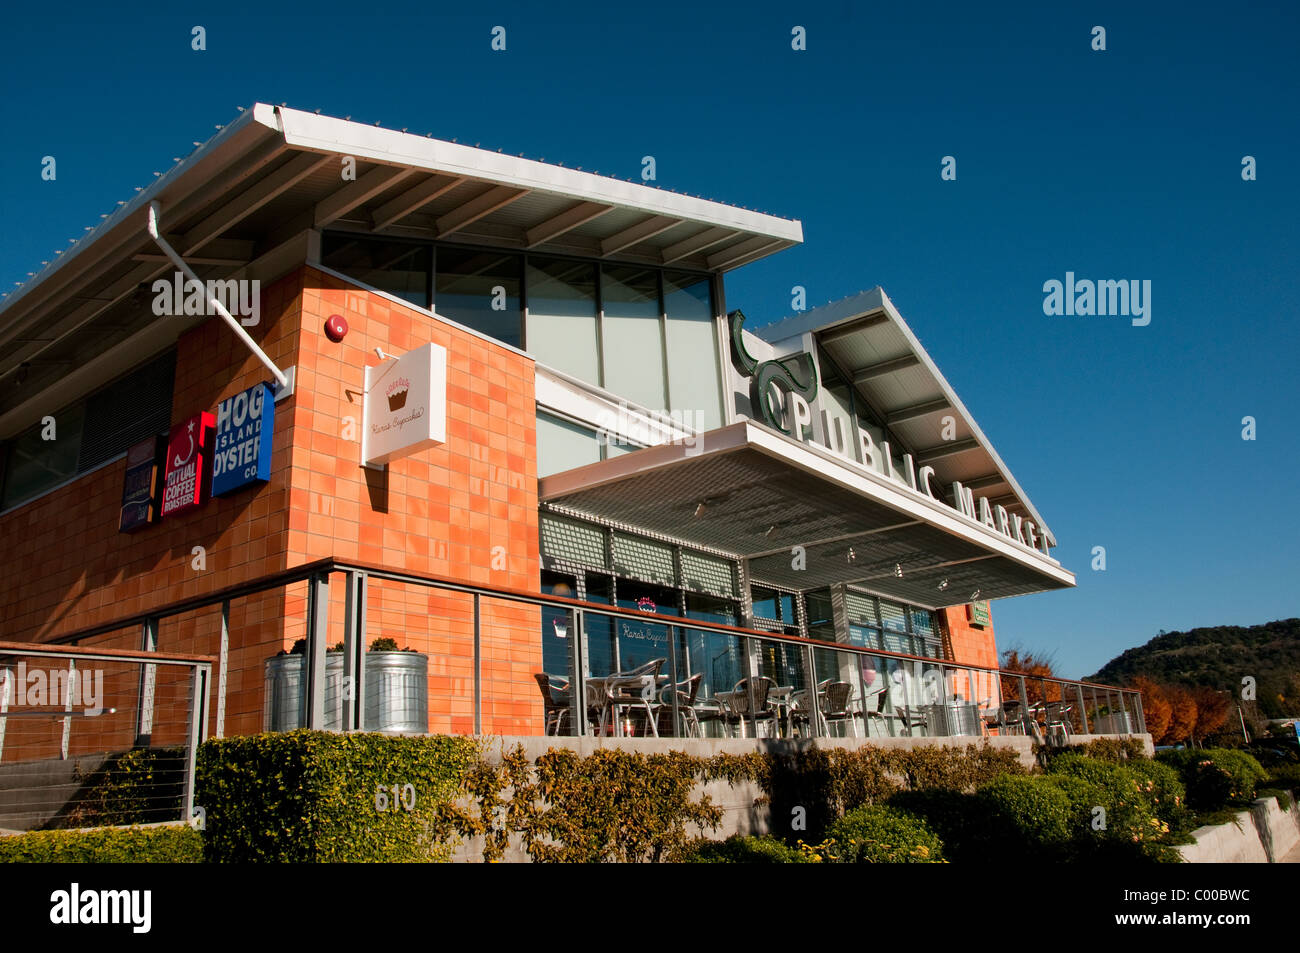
(600, 588)
(35, 464)
(631, 337)
(694, 382)
(711, 609)
(562, 316)
(821, 618)
(562, 445)
(641, 640)
(559, 584)
(399, 268)
(479, 289)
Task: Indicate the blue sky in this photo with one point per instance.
(1117, 164)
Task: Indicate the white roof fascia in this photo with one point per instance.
(308, 131)
(130, 209)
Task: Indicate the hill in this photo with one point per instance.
(1219, 657)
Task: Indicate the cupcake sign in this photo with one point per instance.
(405, 405)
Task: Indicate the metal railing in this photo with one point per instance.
(705, 678)
(97, 737)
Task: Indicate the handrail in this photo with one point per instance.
(331, 564)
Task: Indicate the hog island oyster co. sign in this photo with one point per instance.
(242, 451)
(405, 405)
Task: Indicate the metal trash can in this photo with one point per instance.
(285, 700)
(397, 692)
(953, 719)
(1115, 723)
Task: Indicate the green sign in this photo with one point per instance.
(796, 374)
(978, 613)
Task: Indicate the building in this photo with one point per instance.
(470, 387)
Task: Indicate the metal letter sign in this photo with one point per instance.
(405, 405)
(794, 374)
(242, 452)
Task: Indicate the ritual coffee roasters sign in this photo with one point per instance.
(184, 487)
(405, 405)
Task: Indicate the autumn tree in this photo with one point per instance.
(1211, 711)
(1033, 667)
(1182, 721)
(1155, 706)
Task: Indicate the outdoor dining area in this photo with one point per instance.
(645, 701)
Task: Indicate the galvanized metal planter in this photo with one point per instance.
(397, 694)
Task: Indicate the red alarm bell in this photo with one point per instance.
(336, 328)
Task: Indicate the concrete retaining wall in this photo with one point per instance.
(742, 812)
(1262, 835)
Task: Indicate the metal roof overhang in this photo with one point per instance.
(763, 494)
(240, 205)
(874, 348)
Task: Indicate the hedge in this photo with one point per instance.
(739, 849)
(1022, 819)
(1215, 777)
(876, 834)
(313, 796)
(110, 845)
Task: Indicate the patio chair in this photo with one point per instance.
(1058, 721)
(748, 702)
(620, 692)
(834, 702)
(554, 709)
(870, 714)
(685, 693)
(912, 718)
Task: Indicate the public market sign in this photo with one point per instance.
(405, 408)
(795, 378)
(242, 451)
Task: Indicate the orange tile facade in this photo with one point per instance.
(466, 510)
(964, 642)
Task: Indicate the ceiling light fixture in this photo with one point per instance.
(975, 595)
(699, 510)
(852, 555)
(898, 570)
(943, 585)
(770, 530)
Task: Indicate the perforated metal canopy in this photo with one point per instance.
(803, 519)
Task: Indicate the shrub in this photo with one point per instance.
(741, 850)
(1126, 832)
(1165, 792)
(314, 796)
(881, 835)
(110, 845)
(141, 786)
(948, 813)
(1285, 776)
(1215, 777)
(1022, 818)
